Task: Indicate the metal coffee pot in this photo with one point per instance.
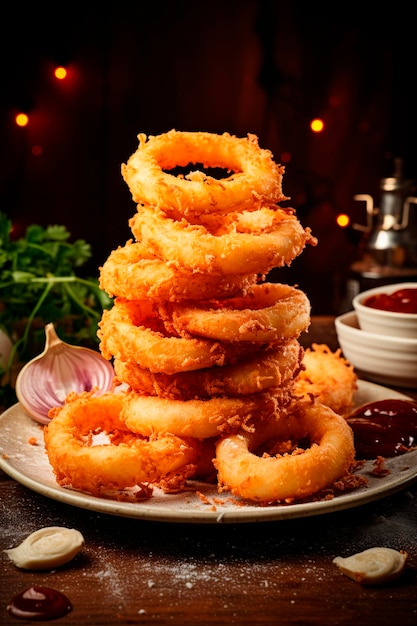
(388, 250)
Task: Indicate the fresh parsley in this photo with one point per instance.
(40, 284)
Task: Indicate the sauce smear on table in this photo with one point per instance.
(384, 428)
(401, 301)
(39, 603)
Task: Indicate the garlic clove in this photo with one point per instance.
(45, 381)
(374, 566)
(46, 548)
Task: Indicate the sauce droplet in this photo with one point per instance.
(384, 428)
(39, 603)
(401, 301)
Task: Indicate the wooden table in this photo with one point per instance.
(142, 572)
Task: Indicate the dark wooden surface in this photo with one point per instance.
(142, 572)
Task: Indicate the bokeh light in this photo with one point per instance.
(60, 73)
(317, 125)
(343, 220)
(22, 119)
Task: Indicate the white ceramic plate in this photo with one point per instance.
(29, 465)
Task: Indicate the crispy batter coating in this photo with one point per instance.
(124, 461)
(328, 377)
(254, 178)
(269, 312)
(243, 246)
(132, 272)
(266, 369)
(200, 418)
(132, 331)
(315, 448)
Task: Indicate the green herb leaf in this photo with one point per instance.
(40, 284)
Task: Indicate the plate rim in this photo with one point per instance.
(249, 513)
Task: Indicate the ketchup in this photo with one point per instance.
(384, 428)
(39, 603)
(401, 301)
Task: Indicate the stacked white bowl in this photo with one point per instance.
(380, 344)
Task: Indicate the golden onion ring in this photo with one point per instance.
(255, 178)
(127, 461)
(129, 331)
(328, 377)
(148, 415)
(265, 370)
(287, 476)
(133, 272)
(269, 312)
(193, 247)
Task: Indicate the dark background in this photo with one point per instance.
(240, 66)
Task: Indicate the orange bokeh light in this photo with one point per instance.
(22, 119)
(317, 125)
(343, 220)
(60, 73)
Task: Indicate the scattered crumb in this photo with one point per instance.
(379, 467)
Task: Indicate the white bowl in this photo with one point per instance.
(382, 322)
(386, 360)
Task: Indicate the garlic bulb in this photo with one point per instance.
(45, 381)
(48, 547)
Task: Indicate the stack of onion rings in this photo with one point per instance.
(208, 350)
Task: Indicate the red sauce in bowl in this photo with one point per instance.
(400, 301)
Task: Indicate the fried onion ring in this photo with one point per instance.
(129, 331)
(256, 179)
(245, 246)
(126, 461)
(328, 377)
(201, 419)
(265, 370)
(133, 272)
(270, 312)
(248, 473)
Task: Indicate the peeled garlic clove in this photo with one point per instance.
(45, 381)
(46, 548)
(374, 566)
